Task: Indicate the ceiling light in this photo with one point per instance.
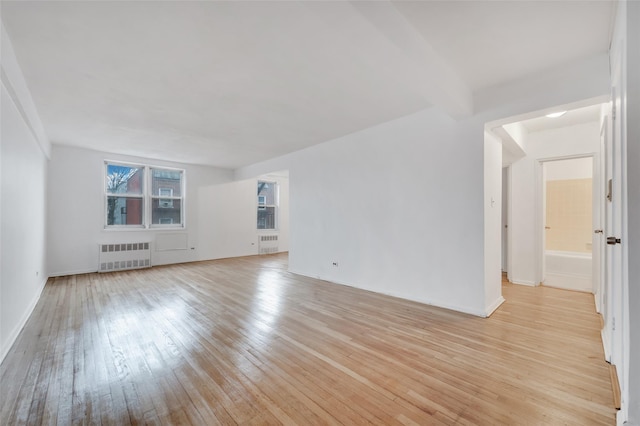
(556, 114)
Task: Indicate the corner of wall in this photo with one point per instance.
(13, 336)
(24, 146)
(13, 80)
(491, 308)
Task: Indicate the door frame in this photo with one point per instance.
(596, 208)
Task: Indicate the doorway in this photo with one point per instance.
(567, 209)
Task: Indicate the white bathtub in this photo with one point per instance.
(569, 270)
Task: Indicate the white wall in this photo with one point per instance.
(575, 168)
(220, 214)
(230, 225)
(632, 114)
(492, 222)
(23, 167)
(398, 206)
(425, 240)
(627, 38)
(525, 226)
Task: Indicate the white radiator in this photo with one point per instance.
(118, 257)
(268, 244)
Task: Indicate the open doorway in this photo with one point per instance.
(504, 225)
(567, 208)
(528, 141)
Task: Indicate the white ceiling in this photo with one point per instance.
(232, 83)
(572, 117)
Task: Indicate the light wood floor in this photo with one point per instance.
(242, 341)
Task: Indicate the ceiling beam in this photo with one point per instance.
(436, 79)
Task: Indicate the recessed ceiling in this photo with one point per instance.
(233, 83)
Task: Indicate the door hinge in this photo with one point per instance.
(613, 241)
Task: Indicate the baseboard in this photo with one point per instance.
(457, 308)
(622, 420)
(76, 272)
(605, 345)
(25, 317)
(523, 282)
(573, 282)
(495, 305)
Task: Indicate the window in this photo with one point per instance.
(143, 196)
(267, 204)
(166, 200)
(125, 195)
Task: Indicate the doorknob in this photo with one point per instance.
(613, 241)
(598, 231)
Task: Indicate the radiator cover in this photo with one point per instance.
(268, 244)
(123, 256)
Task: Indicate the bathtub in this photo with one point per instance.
(568, 270)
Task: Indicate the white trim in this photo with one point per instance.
(606, 345)
(572, 282)
(74, 272)
(524, 282)
(495, 305)
(463, 309)
(146, 195)
(539, 204)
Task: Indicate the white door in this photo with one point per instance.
(599, 201)
(612, 332)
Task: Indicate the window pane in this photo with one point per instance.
(124, 179)
(266, 193)
(166, 183)
(266, 218)
(165, 212)
(124, 210)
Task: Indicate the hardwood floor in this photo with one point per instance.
(242, 341)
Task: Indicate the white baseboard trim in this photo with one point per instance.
(622, 417)
(605, 345)
(25, 317)
(457, 308)
(569, 282)
(523, 282)
(495, 305)
(76, 272)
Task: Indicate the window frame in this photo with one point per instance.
(108, 194)
(264, 206)
(147, 197)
